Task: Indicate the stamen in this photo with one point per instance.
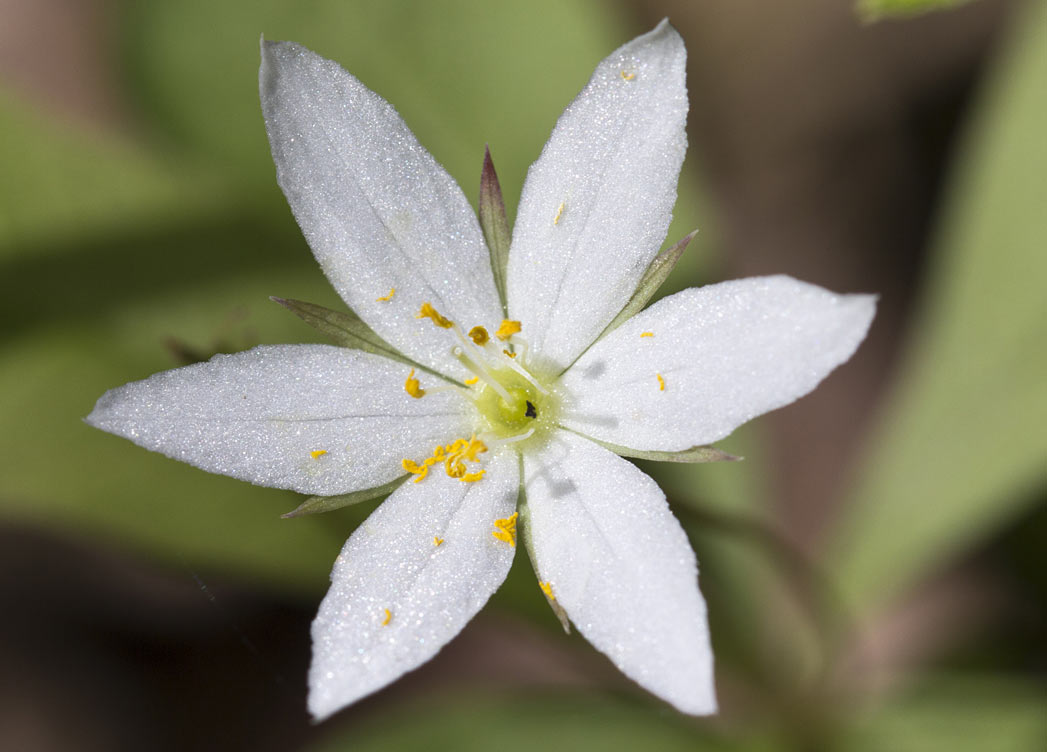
(388, 618)
(412, 467)
(506, 529)
(386, 298)
(317, 453)
(473, 380)
(647, 334)
(477, 368)
(530, 379)
(661, 382)
(507, 329)
(428, 312)
(547, 588)
(479, 335)
(508, 354)
(454, 456)
(412, 387)
(513, 439)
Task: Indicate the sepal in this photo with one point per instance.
(321, 504)
(493, 223)
(652, 279)
(345, 328)
(696, 454)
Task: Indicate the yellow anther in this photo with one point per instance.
(437, 540)
(412, 467)
(507, 329)
(508, 354)
(317, 453)
(473, 380)
(647, 334)
(479, 335)
(627, 76)
(454, 456)
(411, 386)
(559, 212)
(388, 618)
(661, 382)
(428, 312)
(386, 298)
(475, 447)
(506, 529)
(453, 466)
(547, 588)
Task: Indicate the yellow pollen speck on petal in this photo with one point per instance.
(437, 540)
(428, 312)
(479, 335)
(547, 588)
(473, 380)
(661, 382)
(317, 453)
(507, 329)
(506, 529)
(509, 354)
(559, 212)
(388, 618)
(647, 334)
(472, 477)
(386, 298)
(412, 387)
(627, 76)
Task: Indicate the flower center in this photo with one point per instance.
(514, 405)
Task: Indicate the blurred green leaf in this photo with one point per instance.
(63, 185)
(953, 714)
(575, 722)
(964, 441)
(874, 10)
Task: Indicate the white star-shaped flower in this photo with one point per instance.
(489, 392)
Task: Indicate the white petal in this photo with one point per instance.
(259, 415)
(596, 205)
(376, 208)
(619, 563)
(726, 353)
(431, 591)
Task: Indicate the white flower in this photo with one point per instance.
(484, 434)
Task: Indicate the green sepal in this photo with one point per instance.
(652, 279)
(694, 454)
(495, 226)
(321, 504)
(524, 523)
(345, 328)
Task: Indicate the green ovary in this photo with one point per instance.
(526, 409)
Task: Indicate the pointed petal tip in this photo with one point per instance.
(667, 31)
(862, 308)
